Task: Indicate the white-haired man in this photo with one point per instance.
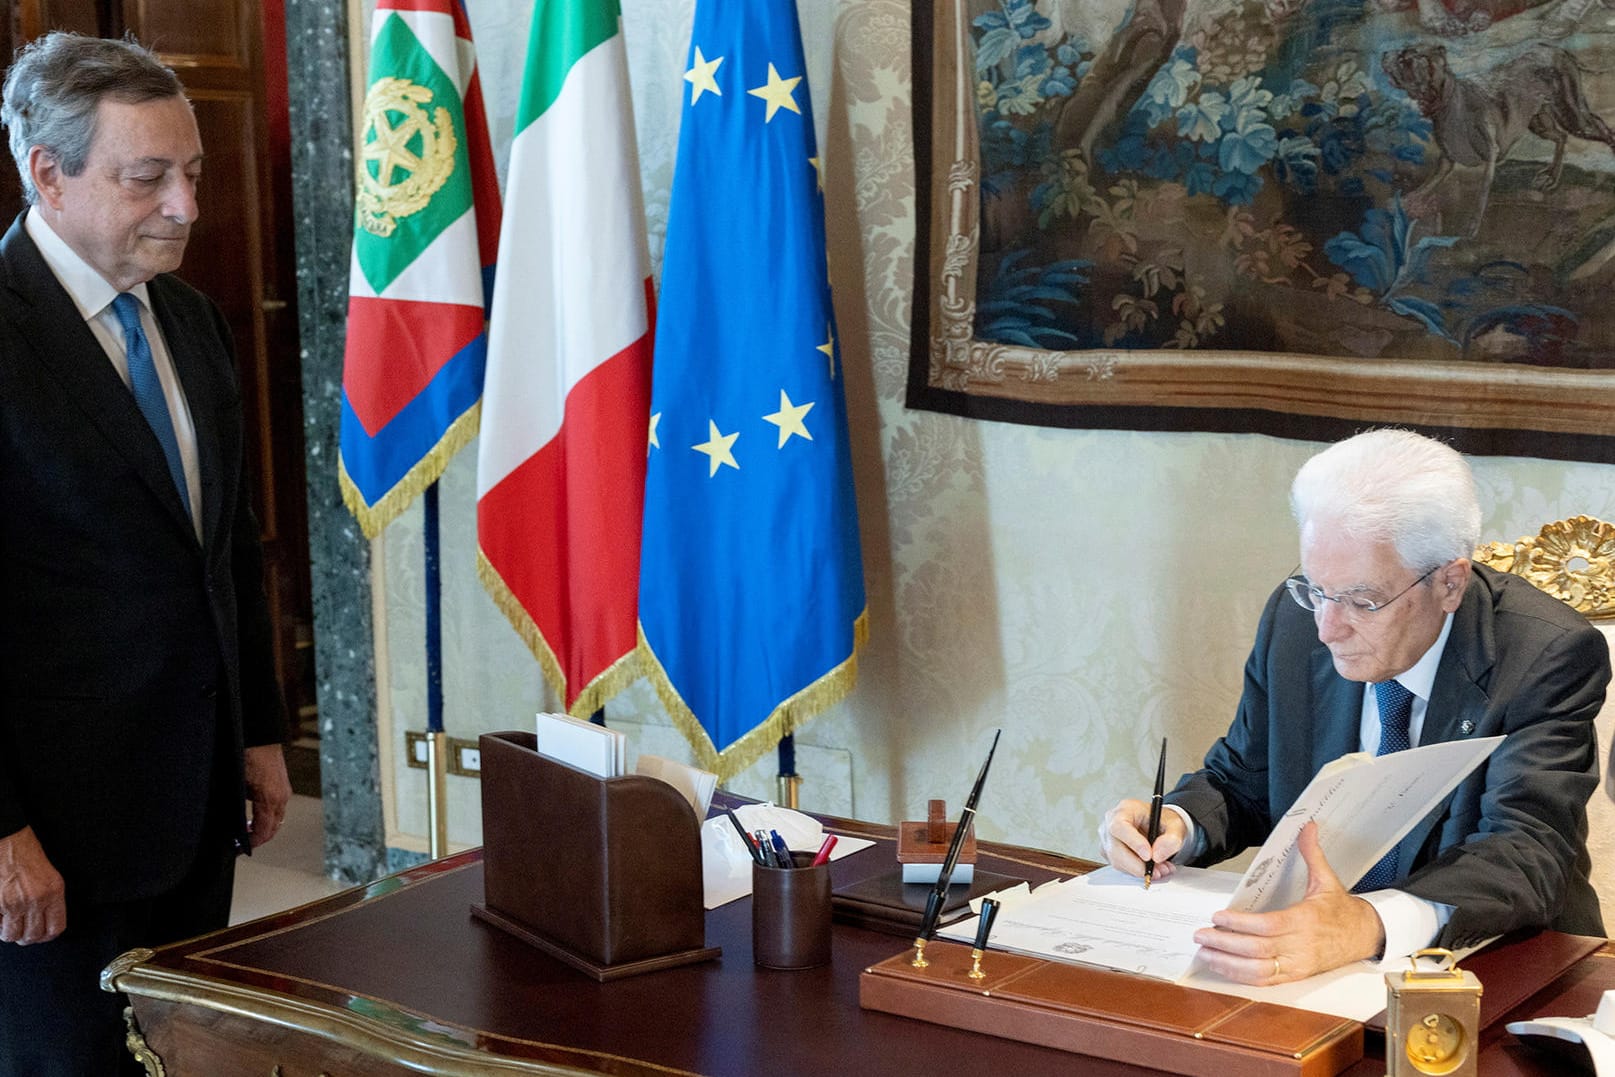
(1387, 597)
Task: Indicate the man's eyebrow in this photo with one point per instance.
(1354, 589)
(163, 162)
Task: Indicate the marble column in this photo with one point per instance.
(344, 656)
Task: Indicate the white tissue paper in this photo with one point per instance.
(725, 863)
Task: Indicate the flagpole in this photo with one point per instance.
(418, 301)
(437, 756)
(790, 782)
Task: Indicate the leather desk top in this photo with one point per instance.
(405, 956)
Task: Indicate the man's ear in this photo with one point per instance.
(46, 172)
(1451, 580)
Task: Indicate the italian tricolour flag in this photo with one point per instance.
(566, 398)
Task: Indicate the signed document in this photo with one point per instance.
(1107, 918)
(1363, 805)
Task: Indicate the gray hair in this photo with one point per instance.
(57, 83)
(1393, 486)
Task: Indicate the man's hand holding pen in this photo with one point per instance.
(1121, 837)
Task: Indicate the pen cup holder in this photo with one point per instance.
(790, 915)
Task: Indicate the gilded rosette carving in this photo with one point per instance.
(1573, 560)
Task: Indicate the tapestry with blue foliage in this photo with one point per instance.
(1294, 176)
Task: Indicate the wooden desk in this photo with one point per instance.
(396, 978)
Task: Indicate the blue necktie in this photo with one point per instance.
(1395, 710)
(148, 391)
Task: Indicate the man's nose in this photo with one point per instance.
(179, 202)
(1332, 622)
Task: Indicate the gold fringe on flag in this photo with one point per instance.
(613, 679)
(791, 714)
(373, 518)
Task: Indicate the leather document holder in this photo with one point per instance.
(886, 903)
(603, 874)
(1111, 1015)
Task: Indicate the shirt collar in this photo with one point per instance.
(90, 292)
(1420, 678)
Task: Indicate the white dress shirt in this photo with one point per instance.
(93, 297)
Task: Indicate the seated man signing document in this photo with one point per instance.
(1390, 638)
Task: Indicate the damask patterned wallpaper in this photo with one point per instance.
(1088, 591)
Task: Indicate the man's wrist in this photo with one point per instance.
(1374, 927)
(1407, 923)
(1193, 840)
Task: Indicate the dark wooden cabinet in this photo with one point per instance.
(231, 56)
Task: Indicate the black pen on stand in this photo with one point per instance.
(984, 928)
(939, 895)
(1155, 815)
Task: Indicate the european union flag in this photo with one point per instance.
(751, 585)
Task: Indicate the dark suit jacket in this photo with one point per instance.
(135, 661)
(1508, 847)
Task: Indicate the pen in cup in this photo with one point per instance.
(765, 849)
(782, 852)
(823, 855)
(745, 839)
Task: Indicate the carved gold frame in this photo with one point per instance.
(1573, 560)
(1480, 407)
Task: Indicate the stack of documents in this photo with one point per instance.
(593, 748)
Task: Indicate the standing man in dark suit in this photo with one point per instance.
(138, 708)
(1388, 597)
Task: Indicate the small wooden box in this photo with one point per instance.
(922, 846)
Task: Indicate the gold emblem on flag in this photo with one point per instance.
(400, 136)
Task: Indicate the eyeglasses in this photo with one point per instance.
(1311, 597)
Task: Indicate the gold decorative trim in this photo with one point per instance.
(398, 1045)
(373, 518)
(122, 964)
(789, 716)
(1573, 560)
(136, 1043)
(613, 679)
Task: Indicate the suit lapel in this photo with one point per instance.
(190, 358)
(1337, 710)
(1456, 697)
(45, 313)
